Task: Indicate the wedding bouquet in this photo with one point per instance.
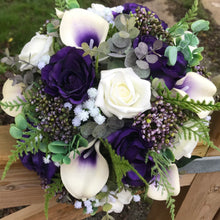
(105, 101)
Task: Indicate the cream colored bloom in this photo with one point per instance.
(35, 50)
(122, 93)
(86, 175)
(10, 94)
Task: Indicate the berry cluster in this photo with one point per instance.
(160, 124)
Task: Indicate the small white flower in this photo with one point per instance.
(83, 115)
(111, 199)
(94, 111)
(41, 65)
(97, 203)
(77, 109)
(89, 210)
(92, 93)
(87, 203)
(89, 104)
(68, 105)
(118, 9)
(78, 204)
(46, 159)
(136, 198)
(99, 119)
(76, 122)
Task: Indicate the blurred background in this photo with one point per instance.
(21, 19)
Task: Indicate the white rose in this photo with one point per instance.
(39, 46)
(122, 93)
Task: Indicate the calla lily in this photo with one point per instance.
(184, 147)
(198, 88)
(10, 93)
(86, 175)
(157, 192)
(59, 13)
(79, 26)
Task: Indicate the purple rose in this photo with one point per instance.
(69, 75)
(35, 162)
(129, 144)
(131, 7)
(160, 69)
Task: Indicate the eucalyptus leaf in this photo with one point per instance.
(115, 123)
(152, 58)
(118, 23)
(120, 42)
(104, 48)
(141, 50)
(157, 45)
(187, 54)
(87, 129)
(134, 32)
(72, 4)
(21, 121)
(116, 55)
(57, 147)
(171, 53)
(123, 20)
(15, 132)
(124, 34)
(57, 158)
(142, 64)
(66, 160)
(198, 50)
(200, 25)
(143, 74)
(106, 207)
(130, 59)
(99, 131)
(115, 63)
(131, 23)
(43, 147)
(184, 43)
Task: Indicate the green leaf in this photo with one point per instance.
(198, 50)
(72, 4)
(134, 32)
(15, 132)
(131, 23)
(187, 54)
(43, 147)
(124, 34)
(107, 207)
(192, 39)
(171, 53)
(21, 121)
(200, 25)
(50, 28)
(66, 160)
(57, 147)
(169, 154)
(82, 141)
(57, 158)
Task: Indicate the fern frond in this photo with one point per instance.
(55, 187)
(189, 16)
(185, 102)
(121, 166)
(161, 165)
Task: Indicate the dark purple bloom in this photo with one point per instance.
(131, 7)
(35, 162)
(129, 144)
(69, 75)
(160, 69)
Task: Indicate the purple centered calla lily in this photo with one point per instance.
(69, 75)
(80, 25)
(128, 143)
(160, 69)
(35, 162)
(87, 173)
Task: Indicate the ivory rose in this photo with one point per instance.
(35, 50)
(122, 93)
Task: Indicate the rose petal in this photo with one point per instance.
(157, 193)
(79, 25)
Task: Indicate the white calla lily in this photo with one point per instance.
(86, 175)
(59, 13)
(79, 25)
(11, 93)
(158, 192)
(184, 147)
(198, 88)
